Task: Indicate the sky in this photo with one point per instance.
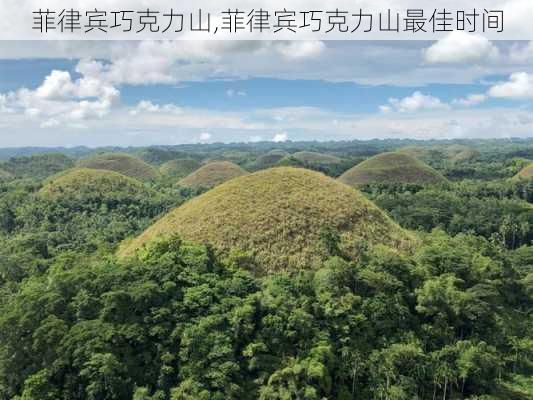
(97, 93)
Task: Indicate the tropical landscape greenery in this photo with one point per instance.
(383, 269)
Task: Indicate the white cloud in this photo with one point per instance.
(295, 50)
(519, 86)
(232, 93)
(255, 139)
(50, 123)
(205, 136)
(145, 105)
(280, 137)
(416, 102)
(3, 104)
(470, 100)
(521, 53)
(460, 47)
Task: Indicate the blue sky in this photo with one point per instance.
(247, 93)
(139, 93)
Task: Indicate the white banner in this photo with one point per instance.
(262, 19)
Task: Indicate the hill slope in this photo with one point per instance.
(391, 168)
(85, 182)
(212, 174)
(311, 157)
(525, 174)
(269, 159)
(37, 166)
(280, 214)
(4, 175)
(459, 153)
(122, 163)
(179, 168)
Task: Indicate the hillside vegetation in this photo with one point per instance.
(4, 175)
(525, 174)
(268, 160)
(85, 182)
(293, 287)
(37, 166)
(311, 157)
(212, 174)
(122, 163)
(179, 168)
(391, 168)
(287, 218)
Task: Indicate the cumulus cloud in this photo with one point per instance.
(460, 47)
(59, 98)
(3, 104)
(232, 93)
(416, 102)
(519, 86)
(204, 136)
(280, 137)
(296, 50)
(521, 53)
(470, 100)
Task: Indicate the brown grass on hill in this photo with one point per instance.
(525, 174)
(212, 174)
(85, 182)
(179, 168)
(391, 168)
(279, 216)
(122, 163)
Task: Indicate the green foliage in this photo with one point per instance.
(177, 323)
(497, 210)
(36, 166)
(447, 317)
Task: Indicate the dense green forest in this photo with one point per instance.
(445, 315)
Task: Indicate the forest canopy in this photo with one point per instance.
(447, 317)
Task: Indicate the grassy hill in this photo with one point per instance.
(212, 174)
(179, 168)
(37, 166)
(525, 174)
(419, 152)
(4, 175)
(311, 157)
(283, 216)
(458, 153)
(269, 159)
(391, 168)
(122, 163)
(85, 182)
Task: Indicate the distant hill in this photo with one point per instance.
(37, 166)
(525, 174)
(156, 155)
(458, 153)
(4, 175)
(85, 182)
(268, 160)
(285, 216)
(419, 152)
(212, 174)
(311, 157)
(179, 168)
(391, 168)
(122, 163)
